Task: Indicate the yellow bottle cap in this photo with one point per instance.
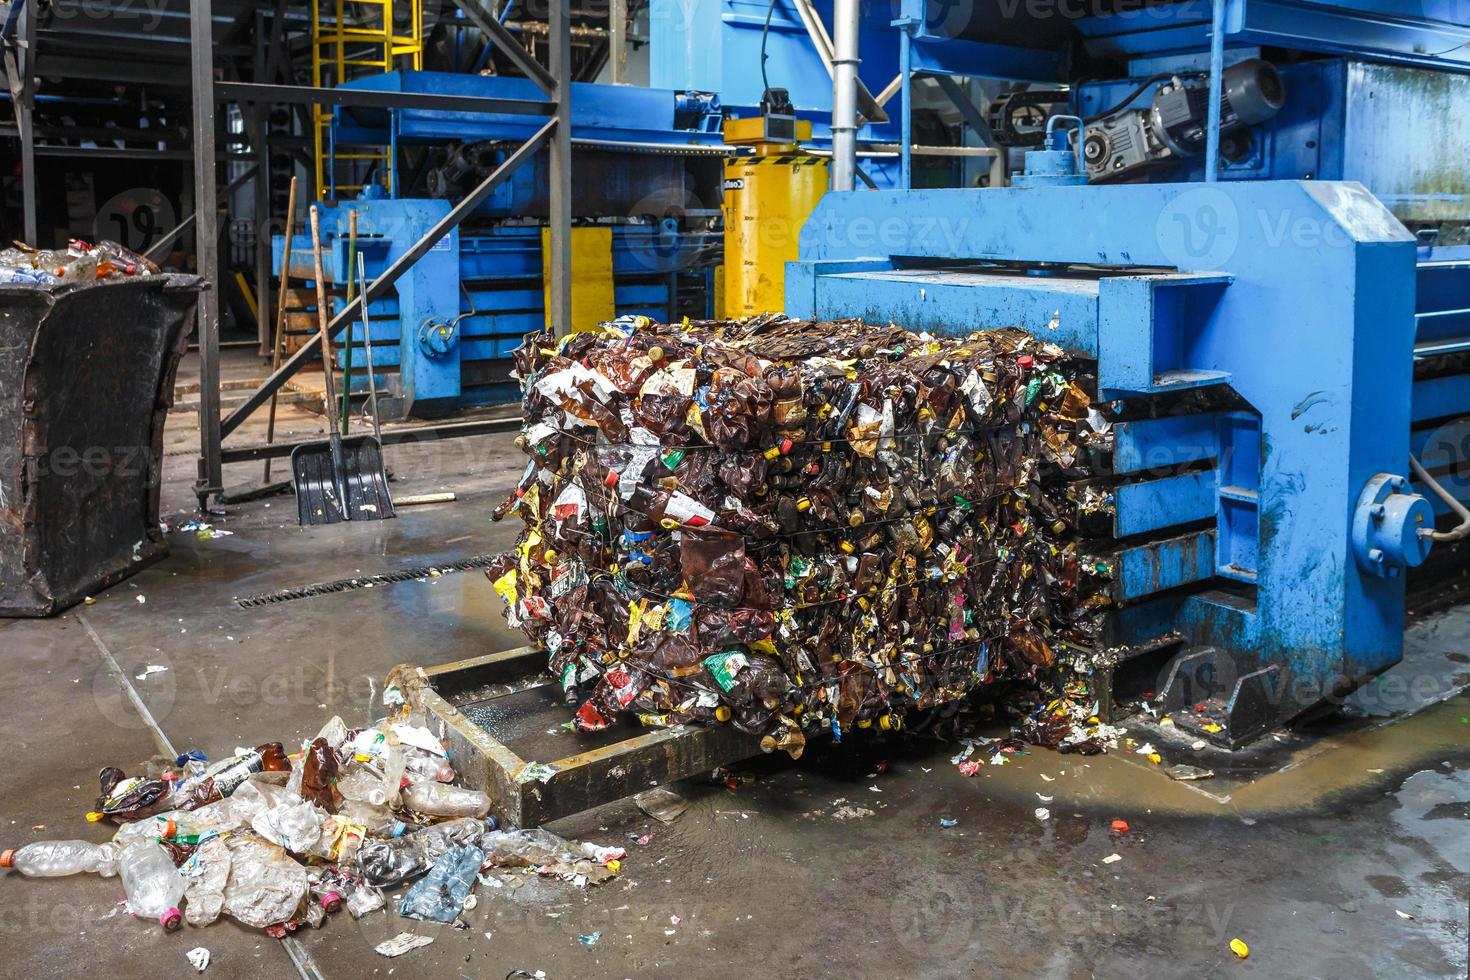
(722, 713)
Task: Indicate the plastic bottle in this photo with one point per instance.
(266, 884)
(392, 862)
(123, 797)
(224, 777)
(419, 764)
(206, 874)
(441, 894)
(444, 800)
(393, 763)
(154, 886)
(318, 773)
(57, 858)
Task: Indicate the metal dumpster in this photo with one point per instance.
(86, 380)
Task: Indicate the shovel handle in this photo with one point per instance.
(322, 320)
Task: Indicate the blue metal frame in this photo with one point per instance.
(464, 307)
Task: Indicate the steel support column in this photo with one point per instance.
(559, 40)
(206, 238)
(617, 33)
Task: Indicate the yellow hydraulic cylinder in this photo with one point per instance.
(769, 194)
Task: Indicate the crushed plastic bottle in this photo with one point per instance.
(265, 885)
(206, 873)
(440, 895)
(392, 862)
(154, 886)
(57, 858)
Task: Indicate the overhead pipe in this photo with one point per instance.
(845, 19)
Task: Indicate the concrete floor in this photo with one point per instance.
(816, 868)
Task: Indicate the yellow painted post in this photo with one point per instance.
(593, 299)
(769, 195)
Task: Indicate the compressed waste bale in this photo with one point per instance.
(793, 526)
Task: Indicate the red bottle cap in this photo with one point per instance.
(171, 919)
(786, 445)
(1025, 362)
(611, 480)
(331, 901)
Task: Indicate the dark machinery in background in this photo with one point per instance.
(1122, 142)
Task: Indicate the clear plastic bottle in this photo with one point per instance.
(393, 763)
(443, 800)
(154, 886)
(205, 875)
(266, 884)
(426, 765)
(56, 858)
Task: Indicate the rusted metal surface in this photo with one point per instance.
(580, 781)
(86, 381)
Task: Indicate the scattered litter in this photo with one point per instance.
(402, 943)
(538, 771)
(969, 768)
(1045, 799)
(198, 958)
(589, 938)
(150, 669)
(662, 804)
(850, 812)
(1403, 915)
(947, 822)
(1112, 859)
(1042, 813)
(141, 599)
(1200, 745)
(1239, 948)
(280, 839)
(1120, 826)
(1186, 773)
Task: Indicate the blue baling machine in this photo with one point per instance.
(1275, 289)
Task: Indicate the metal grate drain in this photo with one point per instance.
(363, 582)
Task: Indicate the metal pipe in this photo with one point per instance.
(845, 61)
(617, 15)
(206, 246)
(1454, 534)
(1217, 71)
(906, 107)
(559, 171)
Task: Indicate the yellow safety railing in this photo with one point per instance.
(352, 39)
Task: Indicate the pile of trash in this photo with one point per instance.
(795, 526)
(278, 841)
(77, 264)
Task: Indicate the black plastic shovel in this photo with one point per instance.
(340, 479)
